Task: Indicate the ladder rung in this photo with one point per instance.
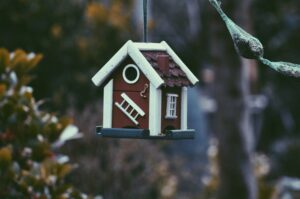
(122, 102)
(127, 107)
(131, 111)
(133, 104)
(136, 115)
(126, 113)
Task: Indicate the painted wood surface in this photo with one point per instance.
(103, 74)
(155, 111)
(193, 79)
(167, 123)
(144, 134)
(120, 86)
(121, 120)
(184, 108)
(134, 51)
(107, 105)
(144, 65)
(148, 93)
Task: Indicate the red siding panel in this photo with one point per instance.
(121, 85)
(120, 120)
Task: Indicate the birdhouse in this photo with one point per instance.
(145, 93)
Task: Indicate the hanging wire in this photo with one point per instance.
(145, 2)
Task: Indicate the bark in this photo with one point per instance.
(234, 130)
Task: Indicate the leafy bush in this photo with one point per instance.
(29, 168)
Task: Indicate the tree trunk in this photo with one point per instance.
(234, 130)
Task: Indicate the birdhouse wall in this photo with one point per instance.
(171, 123)
(121, 85)
(133, 91)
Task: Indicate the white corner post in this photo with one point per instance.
(108, 105)
(184, 104)
(154, 110)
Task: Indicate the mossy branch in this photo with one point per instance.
(250, 47)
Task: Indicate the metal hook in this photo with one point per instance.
(142, 93)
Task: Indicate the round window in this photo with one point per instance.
(131, 74)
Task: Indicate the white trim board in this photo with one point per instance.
(144, 65)
(108, 105)
(155, 110)
(110, 66)
(150, 46)
(184, 107)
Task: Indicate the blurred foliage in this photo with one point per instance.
(76, 38)
(29, 168)
(117, 168)
(280, 188)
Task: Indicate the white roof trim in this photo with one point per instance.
(144, 65)
(193, 79)
(111, 65)
(134, 51)
(150, 46)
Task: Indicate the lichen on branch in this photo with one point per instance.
(250, 47)
(286, 68)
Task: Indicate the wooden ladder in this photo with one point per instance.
(130, 109)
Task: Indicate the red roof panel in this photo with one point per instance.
(175, 77)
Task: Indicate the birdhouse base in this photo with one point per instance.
(144, 134)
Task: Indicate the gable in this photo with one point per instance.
(121, 85)
(134, 51)
(128, 49)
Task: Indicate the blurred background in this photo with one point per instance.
(247, 116)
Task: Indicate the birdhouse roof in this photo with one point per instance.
(173, 75)
(145, 55)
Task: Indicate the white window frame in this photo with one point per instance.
(171, 106)
(137, 75)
